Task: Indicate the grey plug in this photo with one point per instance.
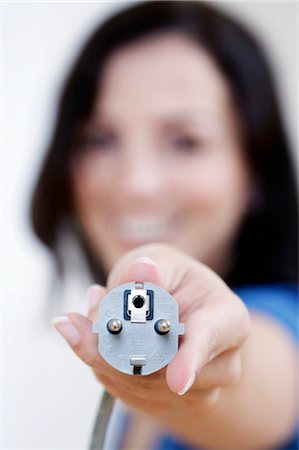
(138, 328)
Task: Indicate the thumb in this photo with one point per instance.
(140, 270)
(95, 295)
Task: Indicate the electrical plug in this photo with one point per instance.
(138, 328)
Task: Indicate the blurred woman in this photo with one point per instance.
(170, 164)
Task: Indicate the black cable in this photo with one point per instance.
(101, 422)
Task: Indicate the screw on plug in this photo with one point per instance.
(162, 326)
(114, 326)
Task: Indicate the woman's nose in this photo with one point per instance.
(142, 175)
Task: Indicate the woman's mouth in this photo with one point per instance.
(143, 228)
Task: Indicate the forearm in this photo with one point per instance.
(257, 412)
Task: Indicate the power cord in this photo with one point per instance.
(101, 422)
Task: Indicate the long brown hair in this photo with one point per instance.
(266, 247)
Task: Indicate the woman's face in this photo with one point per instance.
(162, 159)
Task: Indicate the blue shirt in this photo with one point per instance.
(278, 301)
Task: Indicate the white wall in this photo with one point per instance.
(49, 397)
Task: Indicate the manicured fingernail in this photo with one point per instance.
(188, 385)
(67, 329)
(146, 260)
(93, 295)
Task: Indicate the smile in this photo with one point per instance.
(143, 228)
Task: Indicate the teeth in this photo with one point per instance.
(142, 228)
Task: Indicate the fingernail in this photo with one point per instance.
(146, 260)
(188, 385)
(67, 329)
(92, 295)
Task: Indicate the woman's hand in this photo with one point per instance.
(216, 325)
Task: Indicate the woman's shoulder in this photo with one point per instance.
(278, 300)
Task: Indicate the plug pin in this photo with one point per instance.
(114, 326)
(162, 326)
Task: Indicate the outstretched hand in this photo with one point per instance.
(216, 325)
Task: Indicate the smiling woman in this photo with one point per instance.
(169, 146)
(243, 89)
(143, 173)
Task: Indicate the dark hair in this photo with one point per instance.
(266, 248)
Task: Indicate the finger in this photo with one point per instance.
(140, 270)
(224, 370)
(77, 331)
(207, 336)
(95, 295)
(195, 351)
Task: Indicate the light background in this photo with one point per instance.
(49, 397)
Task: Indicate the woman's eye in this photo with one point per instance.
(185, 143)
(99, 141)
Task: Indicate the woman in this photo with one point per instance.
(170, 164)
